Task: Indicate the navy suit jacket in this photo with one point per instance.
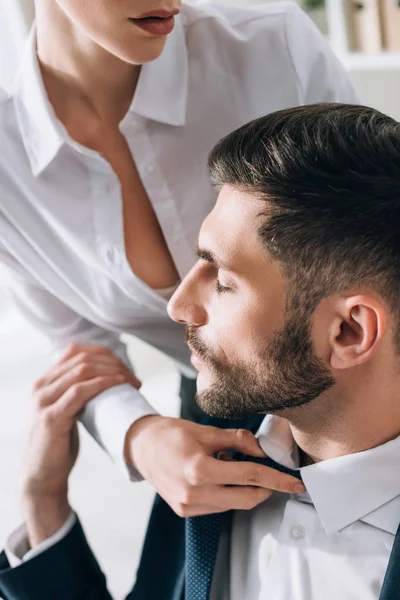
(69, 570)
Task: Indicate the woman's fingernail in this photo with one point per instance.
(120, 378)
(299, 488)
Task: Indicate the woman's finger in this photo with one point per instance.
(53, 392)
(239, 498)
(133, 380)
(240, 440)
(223, 499)
(251, 474)
(195, 510)
(78, 395)
(79, 360)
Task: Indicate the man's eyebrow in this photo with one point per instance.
(212, 259)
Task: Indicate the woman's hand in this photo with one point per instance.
(177, 457)
(53, 446)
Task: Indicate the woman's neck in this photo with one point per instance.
(78, 72)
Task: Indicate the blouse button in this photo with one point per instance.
(297, 533)
(111, 253)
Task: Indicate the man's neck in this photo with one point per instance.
(79, 73)
(336, 425)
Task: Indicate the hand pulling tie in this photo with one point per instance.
(202, 535)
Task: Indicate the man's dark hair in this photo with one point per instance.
(330, 176)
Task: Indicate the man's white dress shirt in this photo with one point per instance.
(332, 543)
(61, 230)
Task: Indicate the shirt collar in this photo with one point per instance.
(162, 90)
(363, 486)
(161, 95)
(42, 132)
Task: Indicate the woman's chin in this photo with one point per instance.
(137, 50)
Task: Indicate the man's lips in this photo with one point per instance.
(196, 361)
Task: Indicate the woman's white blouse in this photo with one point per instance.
(61, 231)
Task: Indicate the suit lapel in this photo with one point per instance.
(161, 569)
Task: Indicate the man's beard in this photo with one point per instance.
(288, 374)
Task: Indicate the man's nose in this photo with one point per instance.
(186, 304)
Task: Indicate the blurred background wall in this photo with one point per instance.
(114, 511)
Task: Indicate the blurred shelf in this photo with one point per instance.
(357, 61)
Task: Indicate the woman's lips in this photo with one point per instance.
(156, 25)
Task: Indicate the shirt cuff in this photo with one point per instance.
(108, 418)
(18, 549)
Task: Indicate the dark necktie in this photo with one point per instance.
(202, 535)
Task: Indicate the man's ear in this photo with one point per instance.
(358, 327)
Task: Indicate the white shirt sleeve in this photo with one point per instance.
(320, 75)
(111, 413)
(17, 546)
